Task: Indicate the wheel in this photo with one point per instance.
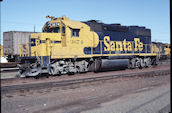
(77, 69)
(137, 63)
(52, 71)
(71, 73)
(142, 63)
(47, 76)
(132, 64)
(36, 77)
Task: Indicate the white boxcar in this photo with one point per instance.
(12, 41)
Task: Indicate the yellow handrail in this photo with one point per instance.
(24, 50)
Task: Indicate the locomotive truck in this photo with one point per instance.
(66, 47)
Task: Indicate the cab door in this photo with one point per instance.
(63, 36)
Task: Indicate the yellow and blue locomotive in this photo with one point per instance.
(66, 46)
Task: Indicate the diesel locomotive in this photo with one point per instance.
(66, 47)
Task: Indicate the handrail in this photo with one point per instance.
(24, 50)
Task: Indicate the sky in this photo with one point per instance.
(22, 15)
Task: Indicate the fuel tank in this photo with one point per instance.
(111, 64)
(120, 57)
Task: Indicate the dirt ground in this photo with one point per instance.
(105, 97)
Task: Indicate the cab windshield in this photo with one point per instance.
(52, 27)
(52, 30)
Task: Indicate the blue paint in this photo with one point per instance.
(32, 40)
(119, 33)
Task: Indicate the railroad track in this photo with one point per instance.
(9, 67)
(35, 86)
(7, 70)
(9, 64)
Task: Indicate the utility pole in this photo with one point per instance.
(34, 28)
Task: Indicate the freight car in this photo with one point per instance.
(67, 46)
(11, 42)
(162, 49)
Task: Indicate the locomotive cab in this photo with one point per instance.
(62, 37)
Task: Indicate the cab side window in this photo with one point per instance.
(57, 30)
(75, 32)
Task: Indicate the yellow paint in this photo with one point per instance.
(154, 49)
(106, 42)
(125, 45)
(138, 44)
(1, 51)
(129, 46)
(112, 44)
(119, 46)
(167, 49)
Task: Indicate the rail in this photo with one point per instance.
(35, 86)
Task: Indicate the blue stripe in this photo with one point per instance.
(33, 40)
(57, 41)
